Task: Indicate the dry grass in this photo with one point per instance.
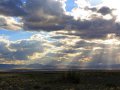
(72, 80)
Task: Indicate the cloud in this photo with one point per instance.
(47, 14)
(12, 8)
(9, 11)
(82, 3)
(19, 50)
(68, 51)
(105, 10)
(85, 37)
(94, 28)
(7, 22)
(94, 22)
(50, 15)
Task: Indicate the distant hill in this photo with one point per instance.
(41, 67)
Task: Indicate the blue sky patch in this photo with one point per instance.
(16, 35)
(70, 4)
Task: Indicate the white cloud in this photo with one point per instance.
(8, 22)
(68, 50)
(113, 5)
(82, 3)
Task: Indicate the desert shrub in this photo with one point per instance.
(71, 77)
(36, 87)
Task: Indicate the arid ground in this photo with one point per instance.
(60, 80)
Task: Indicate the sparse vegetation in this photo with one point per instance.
(72, 80)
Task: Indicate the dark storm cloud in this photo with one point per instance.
(104, 10)
(32, 27)
(45, 15)
(50, 7)
(8, 10)
(12, 7)
(49, 15)
(95, 28)
(36, 14)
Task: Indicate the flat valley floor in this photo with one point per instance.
(60, 80)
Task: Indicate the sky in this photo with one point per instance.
(59, 34)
